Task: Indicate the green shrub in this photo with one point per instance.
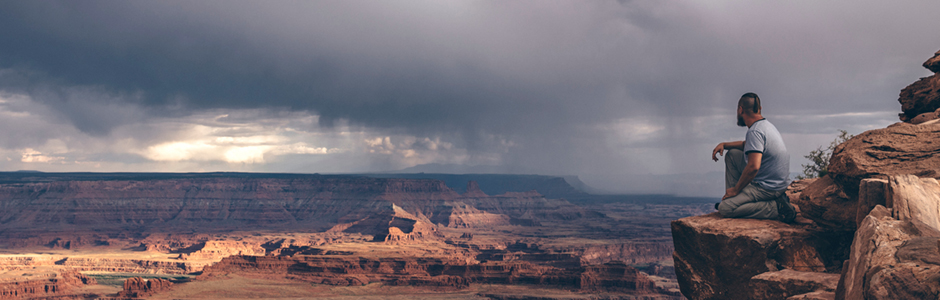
(819, 158)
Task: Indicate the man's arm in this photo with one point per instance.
(750, 170)
(720, 149)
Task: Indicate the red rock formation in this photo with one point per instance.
(466, 216)
(633, 253)
(896, 255)
(417, 271)
(933, 64)
(63, 213)
(786, 283)
(526, 208)
(900, 149)
(891, 260)
(824, 202)
(922, 96)
(716, 257)
(118, 265)
(57, 284)
(140, 288)
(218, 249)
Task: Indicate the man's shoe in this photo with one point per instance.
(785, 211)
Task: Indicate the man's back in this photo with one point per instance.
(774, 173)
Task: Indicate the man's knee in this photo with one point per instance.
(725, 209)
(733, 155)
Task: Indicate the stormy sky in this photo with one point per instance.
(629, 95)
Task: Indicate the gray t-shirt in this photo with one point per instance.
(774, 172)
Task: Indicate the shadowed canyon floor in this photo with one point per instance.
(237, 235)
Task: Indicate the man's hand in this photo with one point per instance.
(720, 149)
(731, 192)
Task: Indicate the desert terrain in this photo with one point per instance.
(247, 235)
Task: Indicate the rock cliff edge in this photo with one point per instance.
(877, 223)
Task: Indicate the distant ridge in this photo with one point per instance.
(553, 187)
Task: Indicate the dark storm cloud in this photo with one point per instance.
(339, 60)
(549, 81)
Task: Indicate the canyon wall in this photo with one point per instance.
(43, 286)
(416, 271)
(69, 213)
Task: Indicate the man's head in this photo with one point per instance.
(749, 105)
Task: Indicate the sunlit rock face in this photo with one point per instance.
(896, 255)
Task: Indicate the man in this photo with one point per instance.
(757, 169)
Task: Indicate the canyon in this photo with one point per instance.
(153, 235)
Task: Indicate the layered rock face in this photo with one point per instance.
(716, 258)
(51, 285)
(634, 253)
(416, 271)
(920, 101)
(140, 288)
(896, 256)
(56, 212)
(876, 232)
(901, 148)
(315, 202)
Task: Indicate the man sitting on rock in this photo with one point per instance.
(757, 169)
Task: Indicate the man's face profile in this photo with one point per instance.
(741, 117)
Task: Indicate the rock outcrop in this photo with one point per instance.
(788, 283)
(896, 256)
(44, 286)
(119, 265)
(899, 149)
(416, 271)
(923, 96)
(716, 257)
(138, 287)
(633, 253)
(824, 202)
(933, 64)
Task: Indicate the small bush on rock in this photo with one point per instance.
(819, 158)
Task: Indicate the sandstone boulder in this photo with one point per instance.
(922, 96)
(786, 283)
(895, 254)
(926, 117)
(824, 202)
(933, 64)
(797, 187)
(715, 258)
(901, 148)
(890, 261)
(916, 200)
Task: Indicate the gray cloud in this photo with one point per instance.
(539, 86)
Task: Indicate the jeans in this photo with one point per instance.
(752, 202)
